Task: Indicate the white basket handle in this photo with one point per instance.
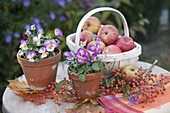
(90, 13)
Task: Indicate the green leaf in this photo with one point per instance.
(37, 59)
(61, 83)
(95, 66)
(82, 78)
(80, 71)
(47, 37)
(107, 82)
(105, 16)
(36, 49)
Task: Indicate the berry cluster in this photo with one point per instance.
(145, 86)
(64, 91)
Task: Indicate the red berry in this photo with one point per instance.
(143, 106)
(68, 93)
(64, 78)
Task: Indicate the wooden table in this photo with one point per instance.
(14, 104)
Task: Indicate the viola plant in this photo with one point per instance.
(36, 46)
(83, 62)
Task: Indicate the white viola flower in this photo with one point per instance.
(44, 55)
(20, 53)
(58, 32)
(50, 45)
(23, 45)
(40, 35)
(37, 40)
(30, 56)
(41, 31)
(43, 52)
(33, 27)
(50, 48)
(28, 32)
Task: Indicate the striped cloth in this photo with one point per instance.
(114, 105)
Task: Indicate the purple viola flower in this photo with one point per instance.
(60, 2)
(95, 48)
(23, 44)
(8, 38)
(62, 18)
(94, 58)
(27, 27)
(86, 4)
(43, 52)
(69, 55)
(58, 32)
(16, 35)
(50, 45)
(52, 15)
(14, 0)
(26, 3)
(82, 55)
(25, 37)
(30, 56)
(36, 21)
(92, 48)
(96, 38)
(69, 1)
(38, 26)
(98, 50)
(133, 99)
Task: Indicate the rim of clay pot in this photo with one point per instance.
(90, 76)
(43, 62)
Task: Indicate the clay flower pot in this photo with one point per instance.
(89, 88)
(40, 74)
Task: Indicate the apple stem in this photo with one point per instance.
(148, 71)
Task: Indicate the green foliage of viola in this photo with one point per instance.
(83, 62)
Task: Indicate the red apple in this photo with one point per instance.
(101, 47)
(111, 49)
(92, 24)
(108, 34)
(85, 36)
(125, 43)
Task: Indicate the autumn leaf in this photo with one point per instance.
(22, 89)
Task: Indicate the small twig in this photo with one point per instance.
(58, 110)
(148, 70)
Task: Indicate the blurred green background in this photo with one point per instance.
(148, 21)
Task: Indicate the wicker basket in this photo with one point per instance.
(112, 60)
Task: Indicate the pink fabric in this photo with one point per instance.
(114, 105)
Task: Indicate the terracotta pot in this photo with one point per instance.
(89, 88)
(40, 74)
